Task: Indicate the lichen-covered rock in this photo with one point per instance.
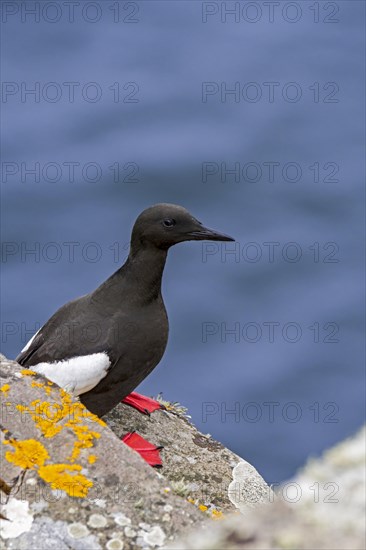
(322, 508)
(74, 485)
(68, 482)
(336, 485)
(195, 465)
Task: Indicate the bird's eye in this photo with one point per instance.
(168, 222)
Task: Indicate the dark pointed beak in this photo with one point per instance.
(205, 234)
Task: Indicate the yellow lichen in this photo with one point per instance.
(50, 429)
(48, 419)
(42, 385)
(28, 372)
(5, 388)
(39, 414)
(85, 438)
(209, 510)
(35, 384)
(57, 475)
(27, 454)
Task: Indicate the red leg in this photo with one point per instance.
(145, 405)
(148, 451)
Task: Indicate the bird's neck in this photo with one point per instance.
(138, 281)
(143, 271)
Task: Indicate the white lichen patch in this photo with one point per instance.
(19, 518)
(100, 502)
(121, 519)
(114, 544)
(130, 533)
(77, 530)
(155, 537)
(248, 489)
(181, 487)
(31, 481)
(97, 521)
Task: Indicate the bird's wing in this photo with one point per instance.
(66, 353)
(54, 340)
(30, 348)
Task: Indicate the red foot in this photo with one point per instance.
(148, 451)
(145, 405)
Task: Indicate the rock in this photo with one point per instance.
(74, 484)
(68, 482)
(322, 508)
(197, 466)
(336, 485)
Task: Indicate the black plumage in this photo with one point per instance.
(124, 317)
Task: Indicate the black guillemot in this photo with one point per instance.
(102, 345)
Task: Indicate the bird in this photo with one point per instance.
(101, 346)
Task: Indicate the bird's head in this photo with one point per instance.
(164, 225)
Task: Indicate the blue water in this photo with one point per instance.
(288, 380)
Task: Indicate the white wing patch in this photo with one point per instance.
(27, 345)
(78, 374)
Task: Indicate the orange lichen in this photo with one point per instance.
(216, 514)
(42, 385)
(28, 453)
(74, 413)
(85, 439)
(212, 512)
(50, 429)
(28, 372)
(57, 475)
(39, 413)
(35, 384)
(77, 411)
(5, 388)
(50, 419)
